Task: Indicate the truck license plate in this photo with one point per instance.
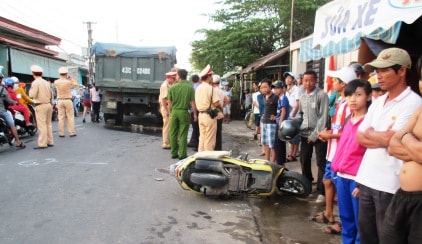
(112, 105)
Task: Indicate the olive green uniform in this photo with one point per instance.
(180, 95)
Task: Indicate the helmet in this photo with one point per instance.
(357, 67)
(289, 129)
(9, 82)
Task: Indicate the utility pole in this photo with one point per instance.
(291, 34)
(90, 60)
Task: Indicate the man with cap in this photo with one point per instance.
(341, 78)
(206, 98)
(42, 95)
(164, 107)
(181, 97)
(64, 86)
(224, 99)
(378, 173)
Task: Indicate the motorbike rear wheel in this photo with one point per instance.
(294, 183)
(209, 179)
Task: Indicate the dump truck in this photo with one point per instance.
(129, 78)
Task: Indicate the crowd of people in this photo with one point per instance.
(65, 93)
(365, 136)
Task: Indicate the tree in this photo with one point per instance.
(251, 29)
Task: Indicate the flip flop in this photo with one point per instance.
(332, 231)
(324, 220)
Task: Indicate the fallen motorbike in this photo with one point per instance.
(218, 173)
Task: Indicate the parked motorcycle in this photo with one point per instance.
(219, 173)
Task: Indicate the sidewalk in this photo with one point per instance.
(245, 143)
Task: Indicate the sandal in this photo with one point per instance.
(332, 229)
(290, 159)
(20, 146)
(320, 218)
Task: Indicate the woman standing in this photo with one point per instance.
(86, 101)
(96, 100)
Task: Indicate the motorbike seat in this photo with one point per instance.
(212, 154)
(209, 165)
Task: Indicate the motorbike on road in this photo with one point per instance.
(219, 173)
(20, 123)
(6, 135)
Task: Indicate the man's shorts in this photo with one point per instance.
(227, 109)
(257, 119)
(295, 140)
(8, 118)
(329, 174)
(268, 134)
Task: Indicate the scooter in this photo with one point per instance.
(5, 134)
(221, 173)
(20, 123)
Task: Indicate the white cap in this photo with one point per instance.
(36, 68)
(216, 79)
(63, 70)
(14, 78)
(206, 71)
(345, 74)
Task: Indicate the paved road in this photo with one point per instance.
(102, 187)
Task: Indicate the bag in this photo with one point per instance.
(212, 113)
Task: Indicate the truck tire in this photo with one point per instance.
(294, 183)
(109, 116)
(209, 179)
(119, 115)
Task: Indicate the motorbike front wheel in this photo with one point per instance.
(209, 179)
(294, 183)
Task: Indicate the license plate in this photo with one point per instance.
(112, 105)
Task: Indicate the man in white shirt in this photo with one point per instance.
(378, 174)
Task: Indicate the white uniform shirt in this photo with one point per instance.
(378, 169)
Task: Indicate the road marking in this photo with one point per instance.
(47, 161)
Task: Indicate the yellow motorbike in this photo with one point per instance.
(220, 173)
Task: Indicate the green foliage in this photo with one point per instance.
(251, 29)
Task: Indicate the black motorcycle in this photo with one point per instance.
(5, 134)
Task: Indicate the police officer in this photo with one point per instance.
(42, 96)
(164, 107)
(205, 98)
(65, 107)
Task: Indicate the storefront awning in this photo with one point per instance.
(340, 24)
(21, 63)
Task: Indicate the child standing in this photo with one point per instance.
(348, 158)
(282, 114)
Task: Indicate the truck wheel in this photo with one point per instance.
(294, 183)
(109, 116)
(208, 179)
(119, 115)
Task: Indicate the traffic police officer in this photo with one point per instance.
(164, 107)
(42, 95)
(205, 98)
(65, 108)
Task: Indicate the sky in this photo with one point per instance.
(133, 22)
